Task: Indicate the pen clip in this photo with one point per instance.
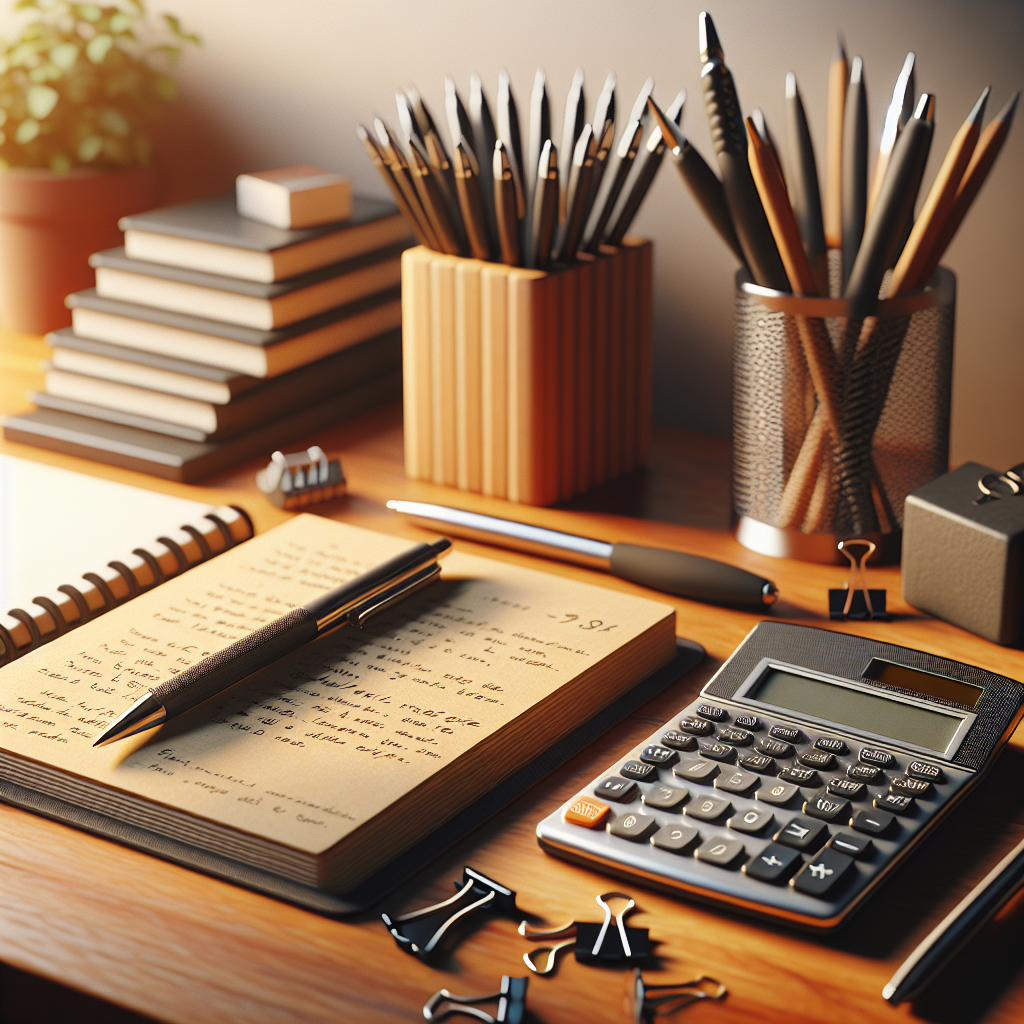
(380, 602)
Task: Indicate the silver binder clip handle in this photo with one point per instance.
(858, 572)
(552, 952)
(631, 903)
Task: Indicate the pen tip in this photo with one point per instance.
(857, 71)
(790, 86)
(392, 504)
(710, 47)
(925, 107)
(978, 110)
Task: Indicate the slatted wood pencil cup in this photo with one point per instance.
(524, 384)
(817, 459)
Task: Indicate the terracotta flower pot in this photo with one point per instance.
(49, 225)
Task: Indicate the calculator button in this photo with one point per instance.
(786, 732)
(827, 807)
(846, 788)
(708, 808)
(660, 756)
(779, 793)
(831, 744)
(774, 748)
(757, 819)
(665, 798)
(615, 789)
(717, 751)
(863, 773)
(696, 771)
(711, 712)
(760, 763)
(676, 838)
(586, 813)
(696, 725)
(679, 740)
(879, 758)
(875, 823)
(638, 772)
(822, 872)
(772, 864)
(737, 737)
(635, 827)
(751, 722)
(803, 834)
(820, 759)
(801, 776)
(923, 771)
(851, 844)
(736, 781)
(722, 852)
(902, 785)
(894, 803)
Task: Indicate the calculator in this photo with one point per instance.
(810, 766)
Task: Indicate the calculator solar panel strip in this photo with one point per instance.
(811, 765)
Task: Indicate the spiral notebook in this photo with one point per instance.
(72, 547)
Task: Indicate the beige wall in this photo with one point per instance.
(279, 82)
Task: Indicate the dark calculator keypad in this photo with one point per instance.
(802, 834)
(922, 770)
(713, 713)
(846, 788)
(778, 793)
(774, 748)
(879, 758)
(875, 823)
(831, 744)
(721, 852)
(619, 790)
(786, 732)
(820, 759)
(696, 725)
(774, 863)
(708, 808)
(697, 771)
(635, 827)
(851, 844)
(717, 751)
(894, 803)
(902, 785)
(638, 771)
(736, 780)
(751, 722)
(676, 838)
(760, 763)
(755, 820)
(822, 872)
(737, 737)
(660, 756)
(827, 807)
(665, 798)
(801, 776)
(679, 740)
(863, 773)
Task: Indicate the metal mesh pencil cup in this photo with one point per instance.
(818, 458)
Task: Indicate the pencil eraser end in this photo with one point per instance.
(302, 196)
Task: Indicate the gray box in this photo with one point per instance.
(964, 562)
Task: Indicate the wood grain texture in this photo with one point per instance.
(178, 946)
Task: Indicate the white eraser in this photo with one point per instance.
(294, 197)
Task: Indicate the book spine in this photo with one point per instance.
(72, 605)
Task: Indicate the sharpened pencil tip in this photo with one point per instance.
(840, 51)
(710, 47)
(977, 113)
(791, 90)
(1006, 114)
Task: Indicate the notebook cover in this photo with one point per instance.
(394, 874)
(216, 220)
(117, 260)
(88, 299)
(189, 461)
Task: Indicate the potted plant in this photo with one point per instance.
(80, 89)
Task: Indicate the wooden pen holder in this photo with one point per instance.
(525, 384)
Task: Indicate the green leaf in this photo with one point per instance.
(98, 47)
(65, 55)
(89, 148)
(27, 131)
(114, 121)
(40, 100)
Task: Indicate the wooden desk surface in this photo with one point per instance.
(181, 947)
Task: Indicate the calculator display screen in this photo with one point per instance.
(857, 709)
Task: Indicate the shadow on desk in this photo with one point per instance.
(28, 999)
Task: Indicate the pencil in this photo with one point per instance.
(467, 183)
(804, 193)
(901, 110)
(377, 159)
(855, 165)
(833, 209)
(506, 205)
(433, 201)
(572, 125)
(399, 166)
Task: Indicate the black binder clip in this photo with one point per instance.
(643, 1004)
(511, 998)
(855, 600)
(594, 943)
(295, 481)
(420, 931)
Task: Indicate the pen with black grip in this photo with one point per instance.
(351, 604)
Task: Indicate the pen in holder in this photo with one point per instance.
(526, 384)
(825, 456)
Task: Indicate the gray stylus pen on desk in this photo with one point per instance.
(674, 572)
(962, 923)
(351, 604)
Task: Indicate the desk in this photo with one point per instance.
(181, 947)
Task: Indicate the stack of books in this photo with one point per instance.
(211, 338)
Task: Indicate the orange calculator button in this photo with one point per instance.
(588, 813)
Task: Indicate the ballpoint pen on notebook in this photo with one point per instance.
(674, 572)
(351, 604)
